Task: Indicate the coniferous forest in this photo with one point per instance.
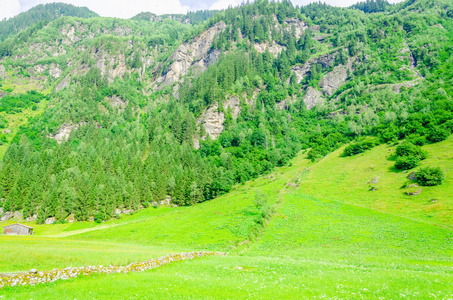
(100, 113)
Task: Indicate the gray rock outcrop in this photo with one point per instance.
(302, 71)
(50, 220)
(64, 132)
(2, 71)
(7, 216)
(334, 79)
(274, 48)
(195, 52)
(312, 98)
(298, 25)
(212, 120)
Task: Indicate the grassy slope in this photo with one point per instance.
(348, 179)
(311, 248)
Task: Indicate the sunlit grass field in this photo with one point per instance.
(329, 238)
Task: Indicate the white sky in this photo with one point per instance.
(129, 8)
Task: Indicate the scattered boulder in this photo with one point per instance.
(418, 192)
(32, 218)
(375, 180)
(18, 215)
(7, 216)
(70, 218)
(117, 211)
(33, 271)
(412, 176)
(166, 201)
(91, 219)
(412, 186)
(50, 220)
(291, 184)
(1, 211)
(6, 131)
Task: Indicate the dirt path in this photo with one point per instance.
(79, 231)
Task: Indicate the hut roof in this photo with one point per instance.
(19, 225)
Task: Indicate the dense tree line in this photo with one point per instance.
(41, 13)
(142, 151)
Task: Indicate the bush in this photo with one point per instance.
(429, 176)
(407, 162)
(353, 149)
(409, 149)
(98, 218)
(416, 139)
(437, 134)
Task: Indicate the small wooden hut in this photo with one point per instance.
(17, 229)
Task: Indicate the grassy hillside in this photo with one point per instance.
(348, 179)
(319, 242)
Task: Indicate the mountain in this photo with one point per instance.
(104, 114)
(41, 14)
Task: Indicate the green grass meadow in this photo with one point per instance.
(330, 238)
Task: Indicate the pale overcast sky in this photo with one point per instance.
(129, 8)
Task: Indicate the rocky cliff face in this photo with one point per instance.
(212, 119)
(302, 71)
(336, 78)
(312, 98)
(297, 25)
(274, 48)
(193, 53)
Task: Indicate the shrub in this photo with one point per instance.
(407, 162)
(98, 218)
(437, 134)
(409, 149)
(430, 176)
(416, 139)
(353, 149)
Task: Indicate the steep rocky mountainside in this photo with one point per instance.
(117, 114)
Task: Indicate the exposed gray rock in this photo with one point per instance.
(50, 220)
(6, 131)
(116, 102)
(302, 71)
(412, 186)
(334, 79)
(1, 211)
(2, 71)
(33, 271)
(71, 218)
(412, 176)
(414, 193)
(32, 218)
(55, 71)
(191, 52)
(212, 119)
(375, 180)
(18, 215)
(274, 48)
(64, 132)
(312, 98)
(166, 201)
(64, 83)
(298, 25)
(7, 216)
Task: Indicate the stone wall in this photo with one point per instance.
(35, 277)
